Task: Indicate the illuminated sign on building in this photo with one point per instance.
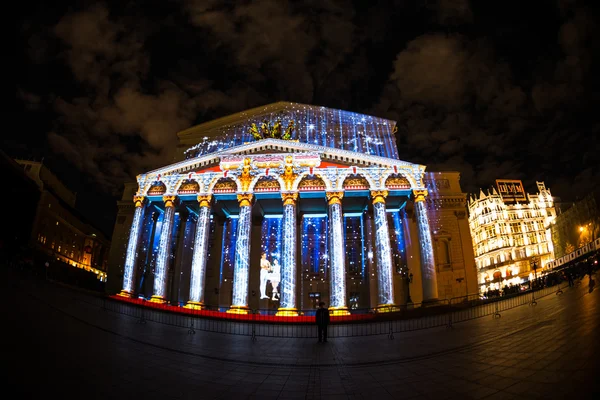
(511, 190)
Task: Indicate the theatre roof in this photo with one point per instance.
(313, 124)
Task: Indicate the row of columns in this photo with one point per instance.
(337, 270)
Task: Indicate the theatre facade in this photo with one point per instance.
(283, 206)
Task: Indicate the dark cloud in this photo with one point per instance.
(453, 12)
(485, 93)
(460, 106)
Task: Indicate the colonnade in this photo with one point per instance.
(288, 302)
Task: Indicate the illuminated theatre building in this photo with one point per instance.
(511, 232)
(318, 192)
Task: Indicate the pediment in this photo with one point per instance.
(328, 157)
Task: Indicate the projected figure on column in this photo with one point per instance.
(274, 277)
(265, 267)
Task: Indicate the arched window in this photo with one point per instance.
(443, 252)
(443, 249)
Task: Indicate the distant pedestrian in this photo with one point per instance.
(570, 277)
(322, 319)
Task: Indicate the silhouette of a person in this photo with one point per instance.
(322, 320)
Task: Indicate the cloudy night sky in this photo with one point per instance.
(492, 89)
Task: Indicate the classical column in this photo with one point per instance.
(287, 304)
(164, 251)
(428, 274)
(383, 253)
(132, 247)
(199, 258)
(337, 255)
(241, 268)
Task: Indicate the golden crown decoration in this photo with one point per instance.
(272, 130)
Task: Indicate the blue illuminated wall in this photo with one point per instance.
(228, 254)
(314, 245)
(315, 125)
(149, 249)
(271, 237)
(355, 245)
(185, 258)
(397, 241)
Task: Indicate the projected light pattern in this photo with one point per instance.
(427, 261)
(355, 246)
(164, 248)
(397, 242)
(337, 270)
(271, 237)
(314, 125)
(314, 244)
(200, 256)
(242, 259)
(230, 231)
(288, 272)
(384, 256)
(132, 249)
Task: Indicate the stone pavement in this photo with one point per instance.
(60, 343)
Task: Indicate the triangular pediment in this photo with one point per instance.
(328, 156)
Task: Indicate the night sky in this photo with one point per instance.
(493, 89)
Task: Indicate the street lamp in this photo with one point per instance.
(410, 278)
(533, 302)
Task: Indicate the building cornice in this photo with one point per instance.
(283, 146)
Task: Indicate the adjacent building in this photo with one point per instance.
(577, 224)
(58, 229)
(282, 206)
(511, 232)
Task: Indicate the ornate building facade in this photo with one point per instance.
(282, 206)
(511, 231)
(577, 225)
(58, 229)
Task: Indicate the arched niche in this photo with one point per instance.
(397, 181)
(188, 186)
(311, 183)
(156, 189)
(267, 184)
(356, 182)
(224, 185)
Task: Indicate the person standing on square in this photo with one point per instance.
(322, 319)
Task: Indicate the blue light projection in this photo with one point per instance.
(164, 248)
(200, 256)
(272, 231)
(314, 245)
(337, 270)
(152, 228)
(355, 246)
(384, 256)
(426, 249)
(314, 125)
(230, 230)
(288, 272)
(397, 242)
(242, 259)
(132, 249)
(184, 258)
(271, 237)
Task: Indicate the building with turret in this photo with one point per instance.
(511, 233)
